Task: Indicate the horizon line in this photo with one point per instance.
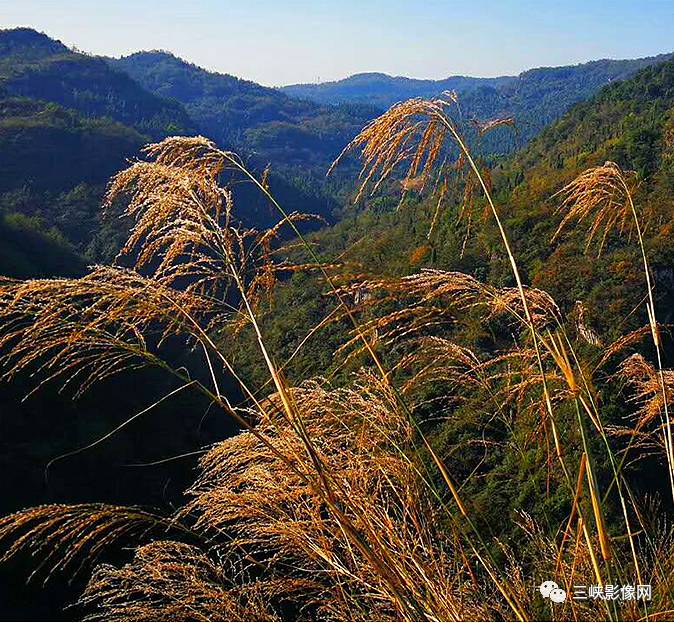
(74, 48)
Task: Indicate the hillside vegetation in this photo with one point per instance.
(33, 65)
(68, 121)
(263, 122)
(628, 122)
(441, 402)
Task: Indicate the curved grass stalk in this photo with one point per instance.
(655, 333)
(593, 413)
(604, 194)
(533, 332)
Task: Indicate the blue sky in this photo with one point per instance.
(276, 42)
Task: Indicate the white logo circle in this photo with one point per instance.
(547, 587)
(558, 595)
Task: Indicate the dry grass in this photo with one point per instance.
(605, 195)
(85, 330)
(600, 195)
(411, 131)
(332, 502)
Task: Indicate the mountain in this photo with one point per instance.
(382, 90)
(534, 98)
(69, 121)
(632, 124)
(35, 66)
(629, 122)
(483, 419)
(265, 123)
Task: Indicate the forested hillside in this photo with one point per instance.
(629, 122)
(68, 122)
(33, 65)
(262, 122)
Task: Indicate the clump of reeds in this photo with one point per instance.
(328, 503)
(334, 501)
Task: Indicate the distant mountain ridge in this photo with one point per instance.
(383, 90)
(535, 98)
